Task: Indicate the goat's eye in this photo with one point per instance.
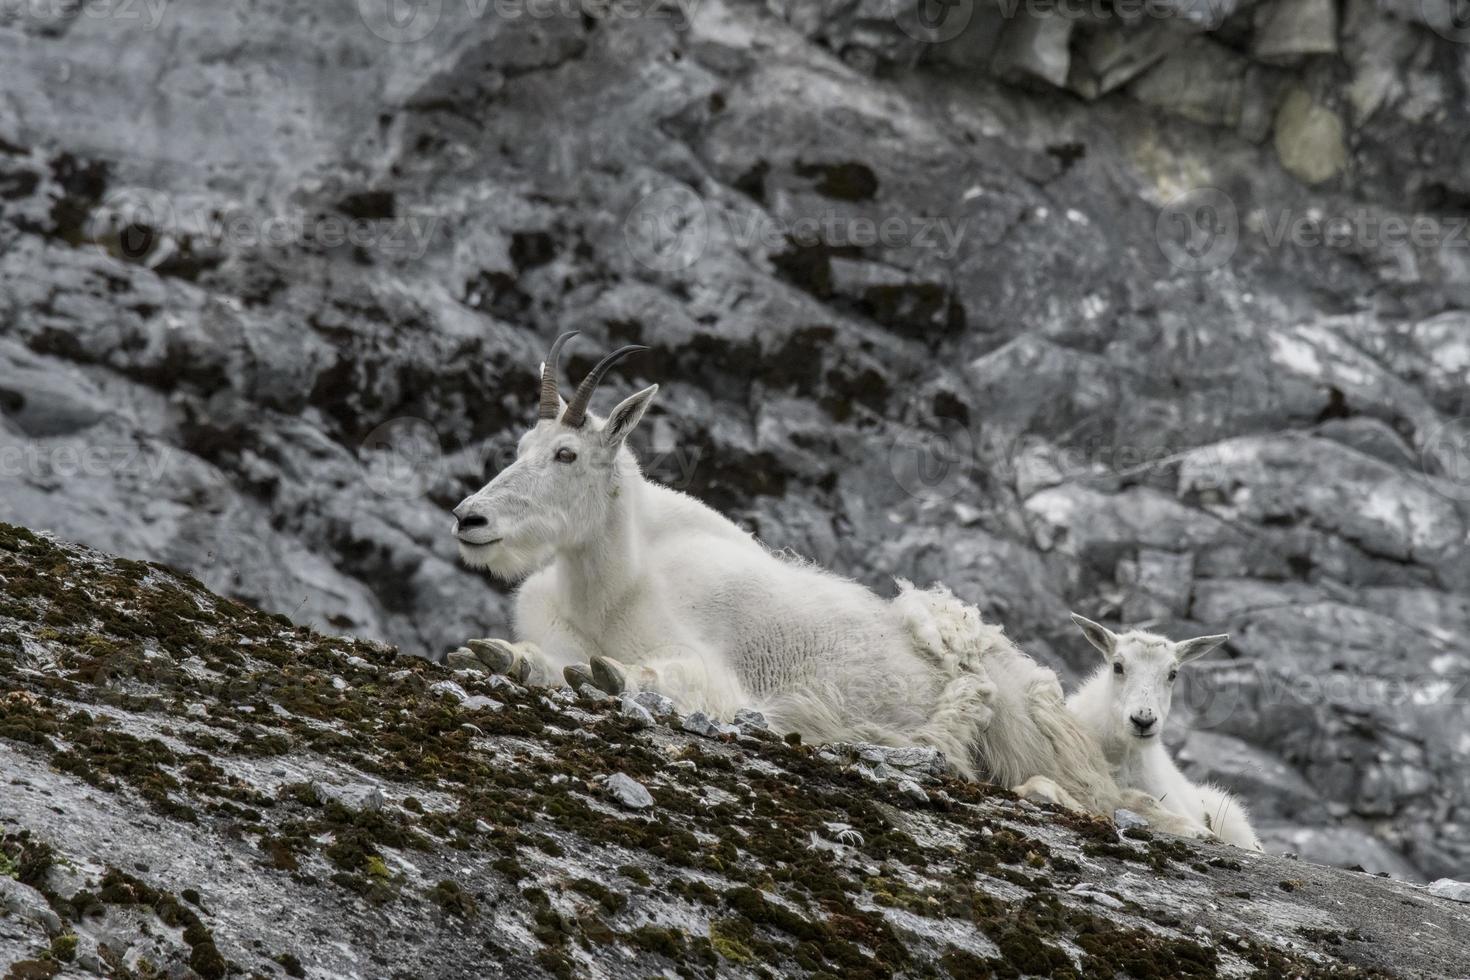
(1173, 674)
(1118, 669)
(565, 455)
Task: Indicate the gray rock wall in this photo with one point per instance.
(1158, 317)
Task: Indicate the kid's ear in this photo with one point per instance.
(1199, 646)
(627, 415)
(1097, 634)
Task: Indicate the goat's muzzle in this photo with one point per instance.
(470, 527)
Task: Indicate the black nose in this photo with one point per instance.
(471, 520)
(1142, 724)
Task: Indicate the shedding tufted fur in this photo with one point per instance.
(638, 585)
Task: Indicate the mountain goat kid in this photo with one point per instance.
(1125, 704)
(628, 585)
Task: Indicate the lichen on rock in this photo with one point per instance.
(187, 786)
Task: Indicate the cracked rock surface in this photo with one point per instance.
(168, 753)
(1044, 384)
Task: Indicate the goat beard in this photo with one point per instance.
(509, 561)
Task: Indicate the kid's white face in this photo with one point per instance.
(1142, 670)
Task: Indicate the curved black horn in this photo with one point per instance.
(576, 415)
(549, 368)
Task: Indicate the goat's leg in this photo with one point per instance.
(524, 663)
(693, 681)
(1044, 789)
(962, 714)
(608, 675)
(1162, 819)
(1227, 818)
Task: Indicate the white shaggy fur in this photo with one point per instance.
(1125, 704)
(635, 584)
(1030, 741)
(650, 578)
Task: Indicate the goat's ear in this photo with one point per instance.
(1097, 634)
(1199, 646)
(622, 419)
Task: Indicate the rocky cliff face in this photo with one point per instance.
(196, 788)
(1158, 317)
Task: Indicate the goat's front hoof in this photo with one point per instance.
(520, 671)
(497, 655)
(609, 675)
(578, 674)
(1041, 789)
(1182, 827)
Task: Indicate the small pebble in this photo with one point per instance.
(635, 713)
(463, 659)
(913, 791)
(481, 703)
(628, 791)
(26, 902)
(358, 797)
(655, 703)
(700, 724)
(751, 719)
(1455, 891)
(449, 688)
(1128, 820)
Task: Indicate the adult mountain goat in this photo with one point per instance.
(631, 584)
